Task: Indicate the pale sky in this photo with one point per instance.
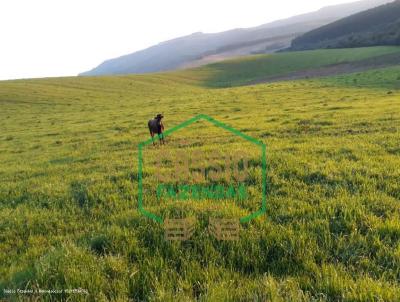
(45, 38)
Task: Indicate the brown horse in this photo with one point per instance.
(156, 126)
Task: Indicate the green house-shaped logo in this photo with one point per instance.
(187, 123)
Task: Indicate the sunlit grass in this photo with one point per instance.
(68, 190)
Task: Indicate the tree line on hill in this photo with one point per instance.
(377, 26)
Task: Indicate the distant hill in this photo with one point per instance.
(200, 48)
(293, 65)
(376, 26)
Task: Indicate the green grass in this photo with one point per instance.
(385, 78)
(246, 70)
(68, 189)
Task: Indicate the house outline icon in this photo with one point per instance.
(219, 124)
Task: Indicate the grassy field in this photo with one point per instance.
(68, 191)
(386, 78)
(243, 71)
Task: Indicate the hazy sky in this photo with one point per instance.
(40, 38)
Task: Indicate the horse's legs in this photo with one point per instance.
(160, 138)
(152, 138)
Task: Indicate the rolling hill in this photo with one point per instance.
(377, 26)
(200, 48)
(295, 65)
(69, 214)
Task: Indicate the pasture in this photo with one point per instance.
(68, 190)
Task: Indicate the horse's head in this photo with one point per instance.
(159, 117)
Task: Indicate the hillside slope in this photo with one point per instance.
(295, 65)
(69, 214)
(199, 48)
(377, 26)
